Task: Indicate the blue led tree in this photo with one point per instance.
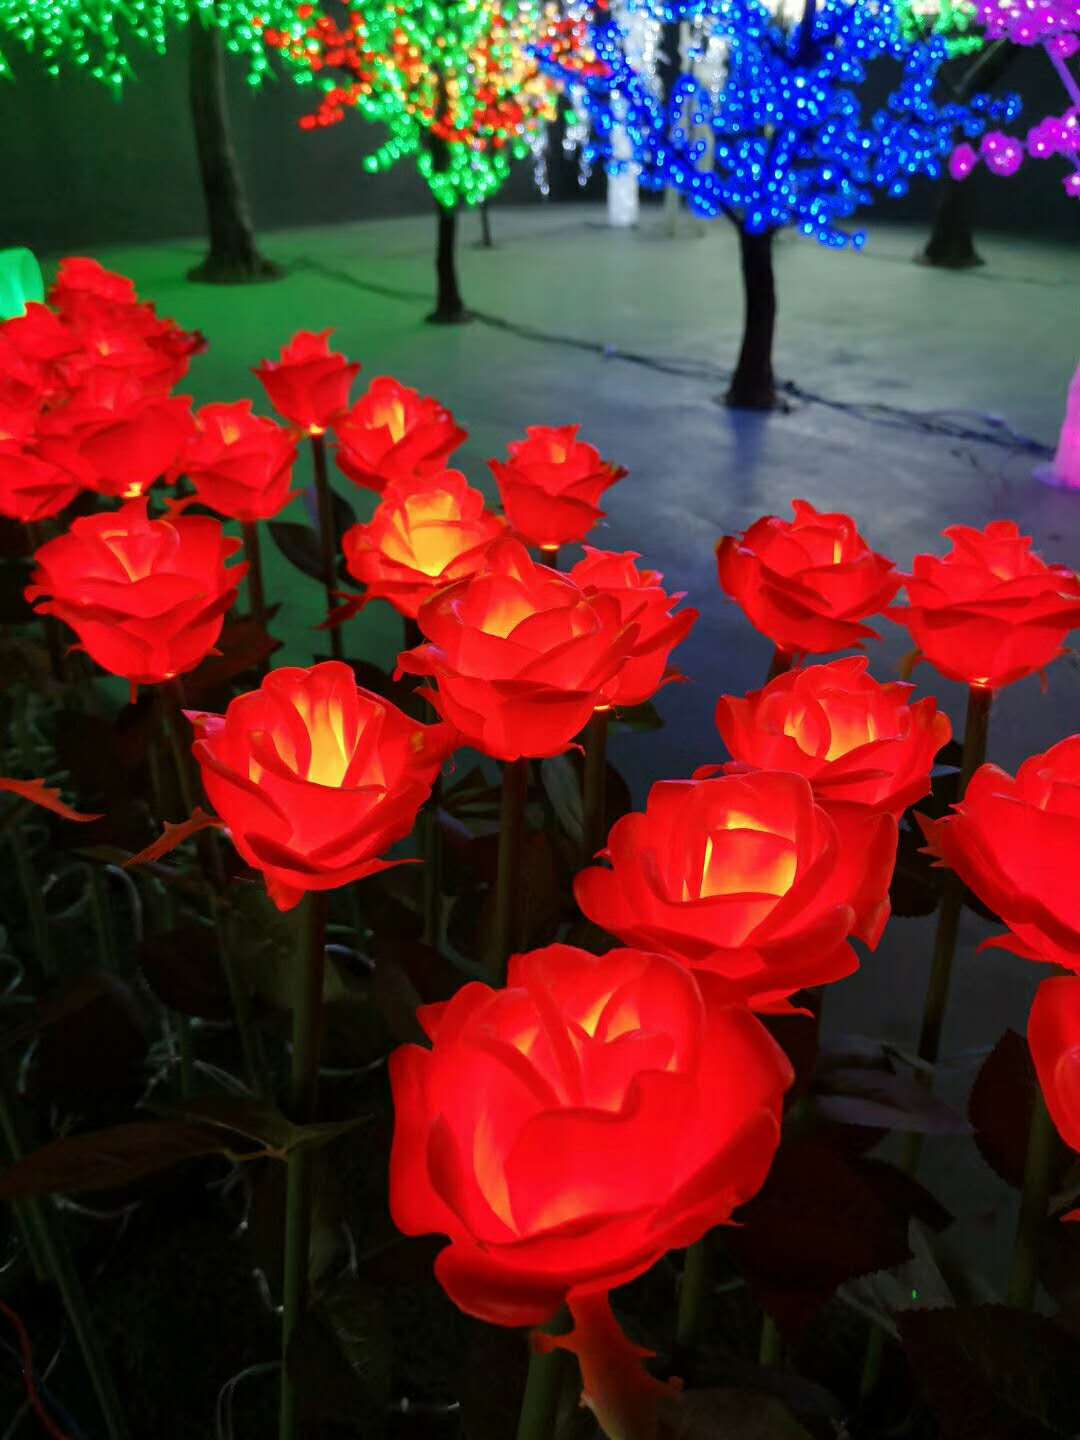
(787, 139)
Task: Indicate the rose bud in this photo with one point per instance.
(520, 654)
(808, 583)
(315, 778)
(309, 385)
(426, 533)
(1054, 1037)
(990, 611)
(866, 750)
(641, 599)
(551, 485)
(240, 464)
(1016, 843)
(741, 876)
(146, 598)
(568, 1130)
(394, 433)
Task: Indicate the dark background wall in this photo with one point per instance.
(80, 168)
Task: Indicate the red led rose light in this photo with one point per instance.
(568, 1130)
(1054, 1038)
(425, 534)
(865, 748)
(520, 653)
(739, 875)
(990, 611)
(146, 598)
(127, 447)
(641, 599)
(316, 778)
(309, 385)
(32, 488)
(551, 485)
(1016, 843)
(240, 463)
(394, 433)
(808, 583)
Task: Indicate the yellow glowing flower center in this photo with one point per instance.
(391, 416)
(505, 615)
(230, 433)
(330, 754)
(117, 542)
(764, 869)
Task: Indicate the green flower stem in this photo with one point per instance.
(549, 555)
(99, 909)
(871, 1371)
(780, 664)
(508, 890)
(540, 1405)
(40, 962)
(594, 795)
(771, 1344)
(51, 1250)
(327, 538)
(693, 1292)
(303, 1100)
(253, 555)
(1034, 1200)
(431, 844)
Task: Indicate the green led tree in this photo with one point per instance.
(453, 84)
(101, 37)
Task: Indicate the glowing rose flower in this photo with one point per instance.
(866, 750)
(551, 485)
(310, 383)
(315, 778)
(124, 448)
(146, 598)
(641, 600)
(32, 488)
(394, 433)
(520, 653)
(990, 611)
(240, 464)
(740, 875)
(1054, 1038)
(77, 275)
(568, 1130)
(806, 583)
(425, 534)
(1016, 843)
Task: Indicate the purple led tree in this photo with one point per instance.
(787, 139)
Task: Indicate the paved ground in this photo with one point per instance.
(999, 344)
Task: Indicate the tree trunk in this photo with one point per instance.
(486, 238)
(952, 241)
(449, 309)
(233, 256)
(752, 385)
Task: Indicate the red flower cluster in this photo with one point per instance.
(567, 1130)
(742, 876)
(309, 384)
(316, 778)
(551, 484)
(808, 583)
(866, 750)
(240, 463)
(426, 533)
(394, 433)
(521, 654)
(1016, 843)
(85, 399)
(147, 598)
(990, 611)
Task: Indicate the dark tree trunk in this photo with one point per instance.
(233, 256)
(486, 238)
(952, 240)
(449, 309)
(753, 386)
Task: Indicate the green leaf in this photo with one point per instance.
(563, 789)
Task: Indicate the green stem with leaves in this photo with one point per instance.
(324, 499)
(693, 1292)
(303, 1102)
(540, 1404)
(508, 887)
